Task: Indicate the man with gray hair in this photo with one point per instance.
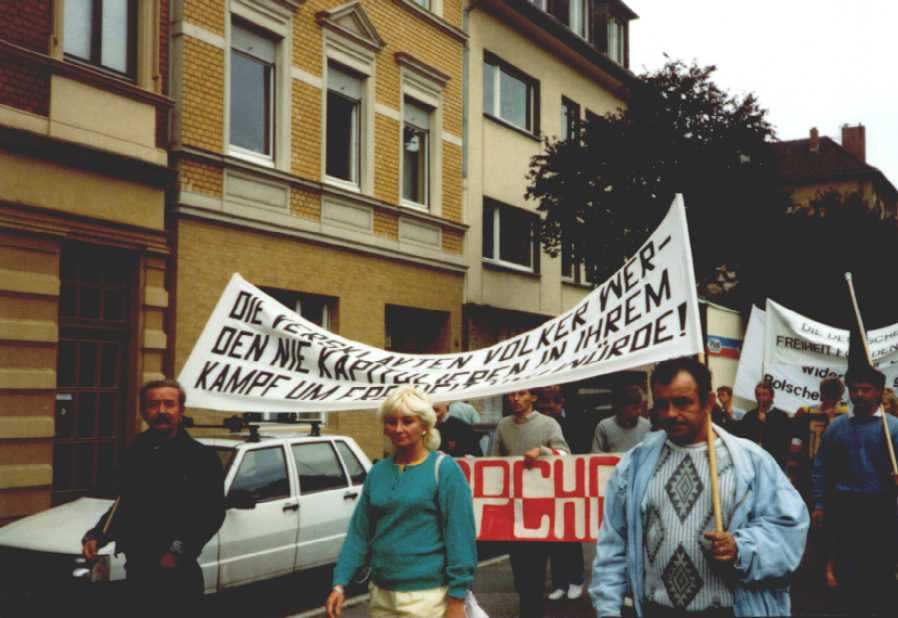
(171, 502)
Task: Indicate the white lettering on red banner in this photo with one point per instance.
(554, 499)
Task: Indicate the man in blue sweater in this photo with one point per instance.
(854, 496)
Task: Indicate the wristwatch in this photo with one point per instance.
(177, 548)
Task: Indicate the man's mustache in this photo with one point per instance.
(671, 423)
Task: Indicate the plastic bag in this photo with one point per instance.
(472, 607)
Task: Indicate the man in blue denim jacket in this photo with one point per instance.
(657, 543)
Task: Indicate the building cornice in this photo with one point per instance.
(55, 224)
(546, 31)
(226, 161)
(366, 35)
(407, 60)
(436, 20)
(81, 156)
(335, 239)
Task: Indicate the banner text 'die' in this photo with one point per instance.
(557, 499)
(254, 354)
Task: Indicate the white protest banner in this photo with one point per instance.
(794, 386)
(794, 339)
(794, 353)
(556, 499)
(751, 357)
(254, 354)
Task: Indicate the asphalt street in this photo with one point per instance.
(494, 589)
(302, 595)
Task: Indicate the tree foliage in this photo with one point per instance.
(814, 245)
(605, 188)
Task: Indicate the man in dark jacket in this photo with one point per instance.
(768, 426)
(171, 502)
(457, 438)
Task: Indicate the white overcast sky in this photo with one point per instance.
(820, 63)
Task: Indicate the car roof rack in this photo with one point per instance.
(236, 424)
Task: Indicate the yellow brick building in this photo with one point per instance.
(318, 149)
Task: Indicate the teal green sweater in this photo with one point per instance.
(415, 535)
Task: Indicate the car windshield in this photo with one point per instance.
(226, 456)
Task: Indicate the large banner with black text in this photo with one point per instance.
(254, 354)
(555, 499)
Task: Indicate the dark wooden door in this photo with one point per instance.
(95, 308)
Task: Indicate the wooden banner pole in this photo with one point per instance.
(885, 422)
(712, 463)
(112, 511)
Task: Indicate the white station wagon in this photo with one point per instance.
(289, 504)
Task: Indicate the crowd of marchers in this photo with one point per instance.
(660, 544)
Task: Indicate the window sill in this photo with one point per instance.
(253, 157)
(576, 284)
(509, 267)
(535, 137)
(342, 184)
(414, 205)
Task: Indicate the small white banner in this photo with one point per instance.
(254, 354)
(793, 354)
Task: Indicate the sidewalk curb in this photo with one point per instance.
(362, 598)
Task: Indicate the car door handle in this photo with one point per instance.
(350, 495)
(291, 507)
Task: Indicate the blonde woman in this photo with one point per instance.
(414, 523)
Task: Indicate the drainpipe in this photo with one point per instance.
(473, 4)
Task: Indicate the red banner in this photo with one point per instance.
(554, 499)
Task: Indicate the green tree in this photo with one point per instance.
(605, 188)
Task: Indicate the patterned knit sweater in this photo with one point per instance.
(676, 512)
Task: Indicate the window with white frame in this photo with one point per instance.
(570, 118)
(252, 90)
(616, 40)
(509, 94)
(572, 267)
(571, 13)
(508, 237)
(577, 17)
(344, 120)
(416, 152)
(102, 33)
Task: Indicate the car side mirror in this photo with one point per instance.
(241, 499)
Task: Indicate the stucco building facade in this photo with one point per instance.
(534, 68)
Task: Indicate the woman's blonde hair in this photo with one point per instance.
(408, 401)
